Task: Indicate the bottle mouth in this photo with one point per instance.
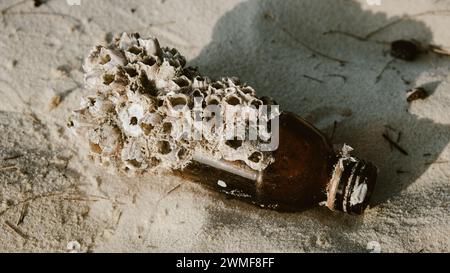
(351, 185)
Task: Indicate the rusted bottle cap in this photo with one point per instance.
(351, 185)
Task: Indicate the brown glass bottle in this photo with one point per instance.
(306, 172)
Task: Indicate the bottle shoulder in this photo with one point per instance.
(302, 148)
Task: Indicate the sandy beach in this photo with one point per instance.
(54, 199)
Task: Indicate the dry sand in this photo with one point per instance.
(50, 193)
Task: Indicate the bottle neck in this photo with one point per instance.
(351, 185)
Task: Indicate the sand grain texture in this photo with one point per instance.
(50, 193)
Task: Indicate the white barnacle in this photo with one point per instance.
(130, 117)
(140, 113)
(73, 247)
(133, 156)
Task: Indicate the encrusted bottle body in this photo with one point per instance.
(296, 180)
(146, 113)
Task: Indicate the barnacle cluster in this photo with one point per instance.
(141, 94)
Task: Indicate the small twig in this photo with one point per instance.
(399, 137)
(389, 24)
(79, 199)
(105, 198)
(31, 199)
(378, 78)
(67, 92)
(12, 157)
(345, 33)
(7, 168)
(16, 230)
(57, 194)
(323, 55)
(437, 162)
(23, 213)
(174, 189)
(395, 145)
(312, 78)
(5, 10)
(438, 50)
(387, 126)
(119, 217)
(34, 118)
(376, 31)
(317, 66)
(161, 24)
(405, 81)
(344, 78)
(269, 16)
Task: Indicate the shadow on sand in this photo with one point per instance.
(258, 41)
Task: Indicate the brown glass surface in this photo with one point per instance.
(302, 168)
(295, 181)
